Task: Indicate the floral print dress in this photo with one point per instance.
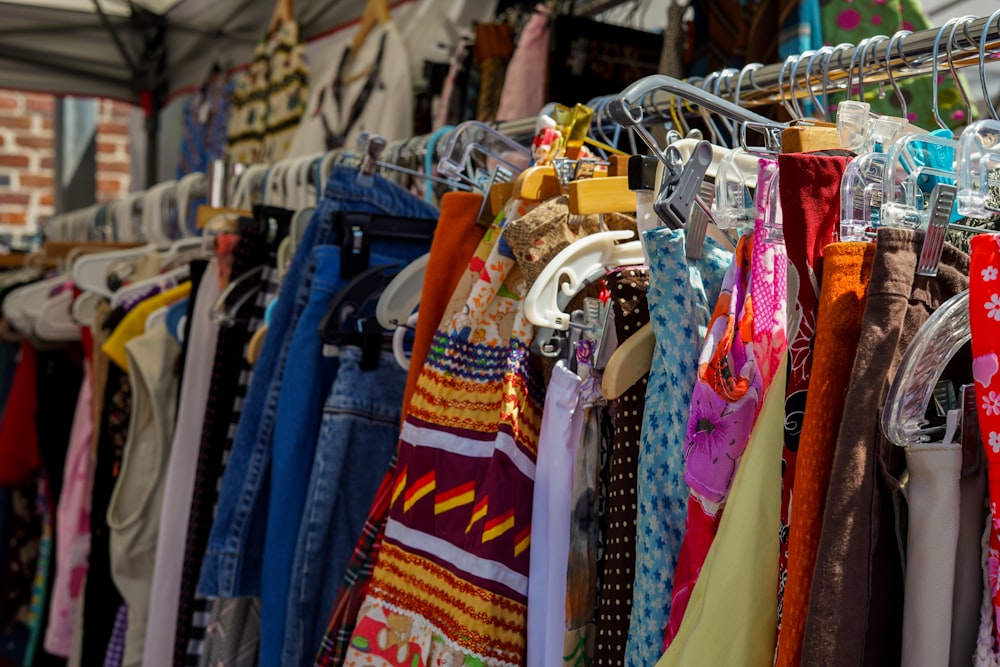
(984, 319)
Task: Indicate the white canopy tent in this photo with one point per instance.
(123, 48)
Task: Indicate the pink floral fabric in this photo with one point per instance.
(723, 406)
(984, 319)
(768, 279)
(742, 352)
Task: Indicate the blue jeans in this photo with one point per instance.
(233, 562)
(358, 436)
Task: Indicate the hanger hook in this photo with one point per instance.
(807, 56)
(935, 74)
(964, 22)
(821, 52)
(994, 17)
(837, 51)
(896, 40)
(600, 110)
(677, 113)
(713, 128)
(725, 74)
(781, 86)
(749, 68)
(859, 54)
(870, 50)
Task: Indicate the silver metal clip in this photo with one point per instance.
(369, 160)
(942, 202)
(674, 205)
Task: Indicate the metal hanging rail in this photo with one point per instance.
(911, 56)
(906, 56)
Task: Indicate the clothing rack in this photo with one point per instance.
(906, 56)
(911, 56)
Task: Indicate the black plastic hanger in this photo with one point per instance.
(350, 318)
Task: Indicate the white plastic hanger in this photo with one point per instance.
(402, 295)
(156, 318)
(84, 309)
(153, 218)
(90, 272)
(123, 214)
(195, 182)
(297, 183)
(398, 340)
(576, 266)
(178, 275)
(54, 321)
(24, 304)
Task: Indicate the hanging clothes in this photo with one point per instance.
(269, 100)
(858, 553)
(368, 91)
(680, 308)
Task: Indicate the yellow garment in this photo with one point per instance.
(733, 612)
(134, 323)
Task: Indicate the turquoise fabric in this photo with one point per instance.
(682, 295)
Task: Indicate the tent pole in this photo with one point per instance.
(115, 37)
(154, 83)
(153, 138)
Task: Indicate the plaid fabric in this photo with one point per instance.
(230, 380)
(116, 645)
(232, 638)
(352, 591)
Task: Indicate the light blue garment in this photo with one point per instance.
(358, 436)
(682, 295)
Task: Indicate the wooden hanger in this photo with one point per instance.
(376, 13)
(601, 195)
(538, 183)
(629, 363)
(283, 13)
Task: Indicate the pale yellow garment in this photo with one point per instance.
(733, 611)
(134, 323)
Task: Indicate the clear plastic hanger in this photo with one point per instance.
(371, 160)
(978, 158)
(473, 137)
(937, 341)
(861, 196)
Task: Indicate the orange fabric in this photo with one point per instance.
(846, 270)
(455, 240)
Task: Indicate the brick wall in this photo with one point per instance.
(27, 157)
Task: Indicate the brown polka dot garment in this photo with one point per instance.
(631, 312)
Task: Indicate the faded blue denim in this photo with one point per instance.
(358, 436)
(233, 564)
